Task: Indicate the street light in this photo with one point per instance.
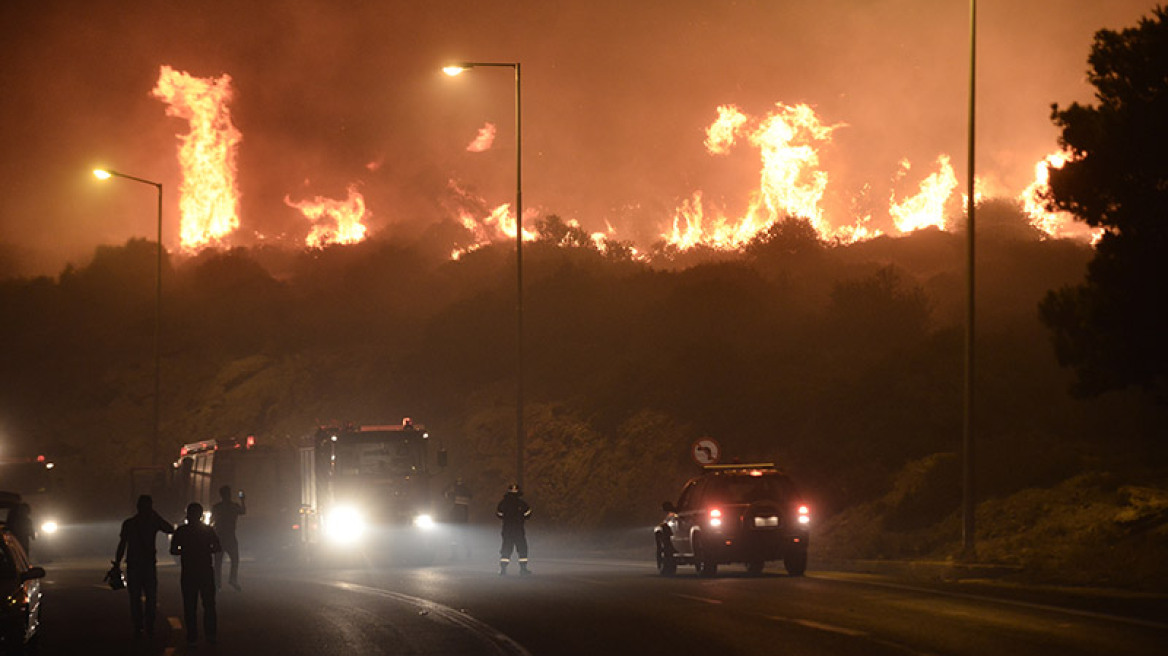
(453, 70)
(968, 498)
(106, 174)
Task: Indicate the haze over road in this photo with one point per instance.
(601, 606)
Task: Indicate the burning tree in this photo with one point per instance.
(1111, 327)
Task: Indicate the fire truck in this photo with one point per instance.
(366, 490)
(266, 473)
(31, 480)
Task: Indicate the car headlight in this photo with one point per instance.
(49, 527)
(344, 524)
(424, 522)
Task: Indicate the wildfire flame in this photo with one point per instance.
(790, 181)
(334, 221)
(927, 207)
(208, 194)
(484, 140)
(1053, 224)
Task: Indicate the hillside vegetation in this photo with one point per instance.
(841, 363)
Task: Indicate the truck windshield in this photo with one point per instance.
(378, 458)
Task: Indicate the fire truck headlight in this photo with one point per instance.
(424, 522)
(49, 527)
(345, 525)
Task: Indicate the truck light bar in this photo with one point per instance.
(754, 465)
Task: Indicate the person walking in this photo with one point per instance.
(195, 543)
(138, 544)
(514, 511)
(224, 516)
(459, 495)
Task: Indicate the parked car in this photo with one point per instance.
(747, 514)
(20, 596)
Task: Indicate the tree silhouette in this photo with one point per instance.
(1111, 327)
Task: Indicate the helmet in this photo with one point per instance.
(114, 578)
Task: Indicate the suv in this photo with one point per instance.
(735, 514)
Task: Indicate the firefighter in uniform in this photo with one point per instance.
(514, 511)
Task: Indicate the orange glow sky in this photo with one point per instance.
(617, 96)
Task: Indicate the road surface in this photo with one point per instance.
(600, 606)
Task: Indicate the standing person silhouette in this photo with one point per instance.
(195, 543)
(137, 544)
(224, 516)
(514, 511)
(459, 495)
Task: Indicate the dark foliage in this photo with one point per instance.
(833, 360)
(1111, 327)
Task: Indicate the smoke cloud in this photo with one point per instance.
(617, 97)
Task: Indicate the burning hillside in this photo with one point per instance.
(792, 182)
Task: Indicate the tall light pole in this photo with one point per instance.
(519, 435)
(968, 503)
(105, 174)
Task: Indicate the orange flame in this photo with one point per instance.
(334, 221)
(484, 140)
(790, 182)
(209, 194)
(1053, 224)
(927, 207)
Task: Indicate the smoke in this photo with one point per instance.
(616, 98)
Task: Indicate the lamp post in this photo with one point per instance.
(519, 435)
(105, 174)
(968, 500)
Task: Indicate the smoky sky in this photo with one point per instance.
(616, 96)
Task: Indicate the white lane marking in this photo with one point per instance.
(996, 600)
(851, 633)
(826, 627)
(502, 643)
(705, 600)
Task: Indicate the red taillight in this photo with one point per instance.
(804, 515)
(250, 441)
(715, 517)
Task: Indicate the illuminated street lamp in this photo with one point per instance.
(106, 174)
(453, 70)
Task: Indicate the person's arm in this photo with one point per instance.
(215, 546)
(121, 549)
(163, 525)
(242, 503)
(176, 543)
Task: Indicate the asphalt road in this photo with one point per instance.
(600, 606)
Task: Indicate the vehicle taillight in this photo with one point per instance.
(804, 515)
(715, 517)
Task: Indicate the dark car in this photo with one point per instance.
(747, 514)
(20, 595)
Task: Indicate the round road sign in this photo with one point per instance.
(706, 451)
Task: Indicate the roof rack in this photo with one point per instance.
(749, 465)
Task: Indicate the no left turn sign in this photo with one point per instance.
(706, 451)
